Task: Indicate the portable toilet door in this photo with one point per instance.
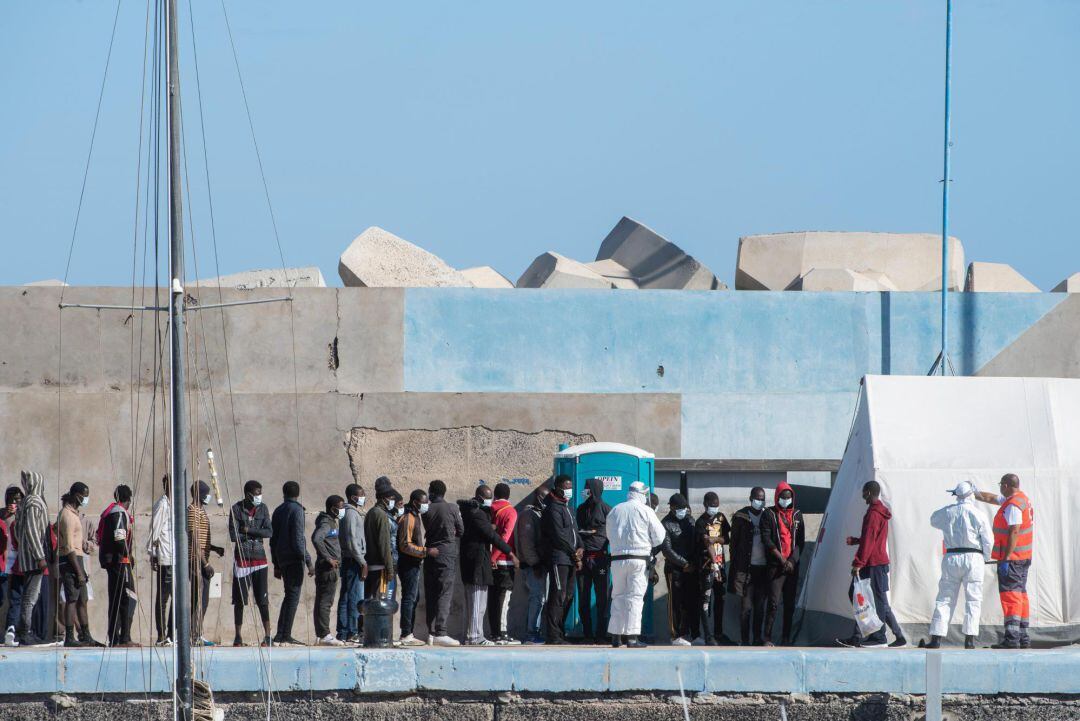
(616, 465)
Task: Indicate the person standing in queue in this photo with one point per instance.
(634, 535)
(72, 566)
(679, 570)
(595, 563)
(504, 517)
(325, 541)
(115, 556)
(249, 526)
(564, 550)
(1014, 536)
(353, 565)
(443, 528)
(749, 573)
(476, 573)
(159, 546)
(712, 532)
(289, 554)
(380, 539)
(412, 552)
(529, 547)
(784, 534)
(200, 570)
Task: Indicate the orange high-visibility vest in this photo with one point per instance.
(1022, 552)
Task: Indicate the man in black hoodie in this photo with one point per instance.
(679, 570)
(442, 532)
(595, 562)
(783, 534)
(476, 542)
(564, 551)
(249, 526)
(327, 561)
(289, 554)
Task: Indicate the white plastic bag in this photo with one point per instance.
(862, 602)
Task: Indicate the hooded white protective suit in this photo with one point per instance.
(633, 531)
(968, 540)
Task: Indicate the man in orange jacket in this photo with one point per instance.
(1014, 532)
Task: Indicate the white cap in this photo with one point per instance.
(963, 489)
(638, 487)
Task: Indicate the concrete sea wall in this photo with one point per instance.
(462, 384)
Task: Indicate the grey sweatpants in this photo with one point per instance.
(475, 609)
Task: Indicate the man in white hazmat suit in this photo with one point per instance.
(633, 532)
(968, 541)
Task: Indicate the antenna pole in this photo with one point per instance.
(943, 358)
(181, 597)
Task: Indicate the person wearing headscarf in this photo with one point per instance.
(783, 535)
(32, 538)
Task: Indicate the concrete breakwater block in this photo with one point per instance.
(619, 276)
(653, 261)
(996, 278)
(552, 270)
(911, 261)
(842, 279)
(309, 277)
(484, 276)
(1069, 285)
(380, 259)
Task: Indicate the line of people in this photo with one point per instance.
(604, 557)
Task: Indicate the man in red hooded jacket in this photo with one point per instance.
(783, 534)
(872, 561)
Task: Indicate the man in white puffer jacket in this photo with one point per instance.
(633, 532)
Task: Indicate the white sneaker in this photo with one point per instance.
(507, 640)
(411, 640)
(699, 641)
(330, 640)
(680, 642)
(446, 641)
(9, 638)
(481, 642)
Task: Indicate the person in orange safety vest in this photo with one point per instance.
(1014, 532)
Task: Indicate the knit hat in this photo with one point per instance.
(678, 500)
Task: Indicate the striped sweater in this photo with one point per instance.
(32, 522)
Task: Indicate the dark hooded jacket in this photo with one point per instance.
(326, 542)
(476, 542)
(559, 538)
(112, 552)
(874, 539)
(678, 546)
(771, 519)
(592, 518)
(443, 527)
(249, 527)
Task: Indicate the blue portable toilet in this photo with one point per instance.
(616, 465)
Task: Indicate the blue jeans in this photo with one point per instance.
(537, 586)
(14, 596)
(409, 573)
(352, 595)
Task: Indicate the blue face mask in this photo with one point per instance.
(756, 504)
(680, 513)
(257, 500)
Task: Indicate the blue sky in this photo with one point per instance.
(489, 132)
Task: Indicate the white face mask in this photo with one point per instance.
(587, 493)
(400, 512)
(361, 501)
(390, 504)
(712, 510)
(423, 508)
(257, 500)
(85, 501)
(568, 493)
(341, 513)
(488, 501)
(756, 504)
(680, 513)
(784, 502)
(206, 500)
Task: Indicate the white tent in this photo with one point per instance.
(918, 437)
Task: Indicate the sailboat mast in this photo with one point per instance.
(181, 596)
